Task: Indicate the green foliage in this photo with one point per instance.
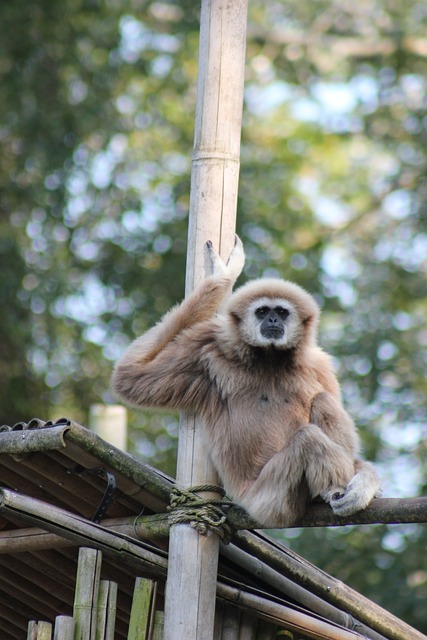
(97, 109)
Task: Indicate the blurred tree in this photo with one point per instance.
(97, 106)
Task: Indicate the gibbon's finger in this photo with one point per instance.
(217, 263)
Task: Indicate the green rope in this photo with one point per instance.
(203, 514)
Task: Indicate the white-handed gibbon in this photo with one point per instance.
(248, 362)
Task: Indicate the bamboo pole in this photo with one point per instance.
(77, 441)
(110, 626)
(32, 630)
(86, 596)
(64, 628)
(159, 623)
(309, 626)
(100, 610)
(141, 614)
(193, 559)
(286, 561)
(82, 532)
(110, 423)
(156, 527)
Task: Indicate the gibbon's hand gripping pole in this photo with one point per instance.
(193, 558)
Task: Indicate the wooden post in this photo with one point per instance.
(193, 559)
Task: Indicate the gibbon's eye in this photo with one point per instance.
(282, 312)
(261, 312)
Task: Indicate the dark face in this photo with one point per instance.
(272, 321)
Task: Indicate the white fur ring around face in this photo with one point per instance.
(235, 263)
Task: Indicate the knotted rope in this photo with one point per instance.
(203, 514)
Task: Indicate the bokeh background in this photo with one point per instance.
(97, 105)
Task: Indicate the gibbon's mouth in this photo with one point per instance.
(273, 333)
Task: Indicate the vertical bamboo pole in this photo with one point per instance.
(110, 423)
(64, 628)
(193, 559)
(86, 594)
(143, 601)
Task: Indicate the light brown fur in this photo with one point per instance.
(274, 423)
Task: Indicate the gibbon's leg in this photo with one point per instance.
(279, 495)
(365, 484)
(308, 465)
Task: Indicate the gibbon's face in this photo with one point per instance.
(271, 322)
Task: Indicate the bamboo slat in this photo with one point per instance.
(110, 626)
(101, 610)
(104, 610)
(32, 630)
(159, 624)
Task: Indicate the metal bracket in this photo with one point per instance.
(109, 492)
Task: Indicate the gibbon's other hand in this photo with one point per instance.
(235, 263)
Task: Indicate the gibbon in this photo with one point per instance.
(248, 362)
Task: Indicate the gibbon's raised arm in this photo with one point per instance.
(163, 367)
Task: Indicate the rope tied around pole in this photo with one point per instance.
(203, 514)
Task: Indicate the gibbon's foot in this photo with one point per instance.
(357, 495)
(235, 263)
